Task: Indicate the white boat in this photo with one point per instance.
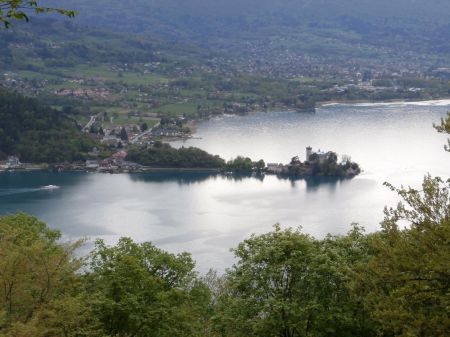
(50, 187)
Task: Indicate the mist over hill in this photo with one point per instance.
(202, 20)
(402, 33)
(416, 11)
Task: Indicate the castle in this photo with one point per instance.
(316, 164)
(312, 156)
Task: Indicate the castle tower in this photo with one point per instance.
(308, 152)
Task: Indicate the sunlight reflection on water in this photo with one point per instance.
(206, 215)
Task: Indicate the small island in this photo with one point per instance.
(316, 164)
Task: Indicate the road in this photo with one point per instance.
(139, 136)
(89, 124)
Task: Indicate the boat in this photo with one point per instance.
(50, 187)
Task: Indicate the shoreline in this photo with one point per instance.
(193, 124)
(445, 100)
(117, 171)
(207, 171)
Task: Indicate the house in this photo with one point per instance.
(104, 165)
(276, 168)
(127, 165)
(94, 152)
(92, 164)
(110, 140)
(13, 162)
(120, 155)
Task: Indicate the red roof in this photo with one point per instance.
(120, 154)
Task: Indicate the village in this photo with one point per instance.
(115, 163)
(136, 133)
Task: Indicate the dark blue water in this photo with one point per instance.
(206, 215)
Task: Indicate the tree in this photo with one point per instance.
(140, 290)
(37, 133)
(295, 161)
(39, 281)
(93, 129)
(260, 165)
(444, 127)
(123, 134)
(240, 164)
(288, 284)
(20, 10)
(407, 283)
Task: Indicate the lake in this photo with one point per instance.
(207, 215)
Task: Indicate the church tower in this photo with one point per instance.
(308, 152)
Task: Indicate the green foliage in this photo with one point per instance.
(392, 283)
(130, 290)
(20, 9)
(244, 165)
(38, 280)
(163, 155)
(327, 166)
(331, 167)
(123, 134)
(407, 283)
(37, 133)
(140, 290)
(444, 127)
(311, 25)
(286, 284)
(55, 57)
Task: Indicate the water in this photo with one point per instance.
(206, 215)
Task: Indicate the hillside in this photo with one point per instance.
(137, 77)
(145, 15)
(416, 26)
(37, 133)
(136, 63)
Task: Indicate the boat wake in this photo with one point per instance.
(49, 187)
(14, 191)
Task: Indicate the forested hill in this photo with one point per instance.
(419, 12)
(37, 133)
(417, 25)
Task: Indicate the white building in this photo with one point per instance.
(92, 164)
(13, 162)
(275, 168)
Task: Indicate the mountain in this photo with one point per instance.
(204, 21)
(146, 58)
(402, 34)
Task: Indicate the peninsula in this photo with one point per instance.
(163, 157)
